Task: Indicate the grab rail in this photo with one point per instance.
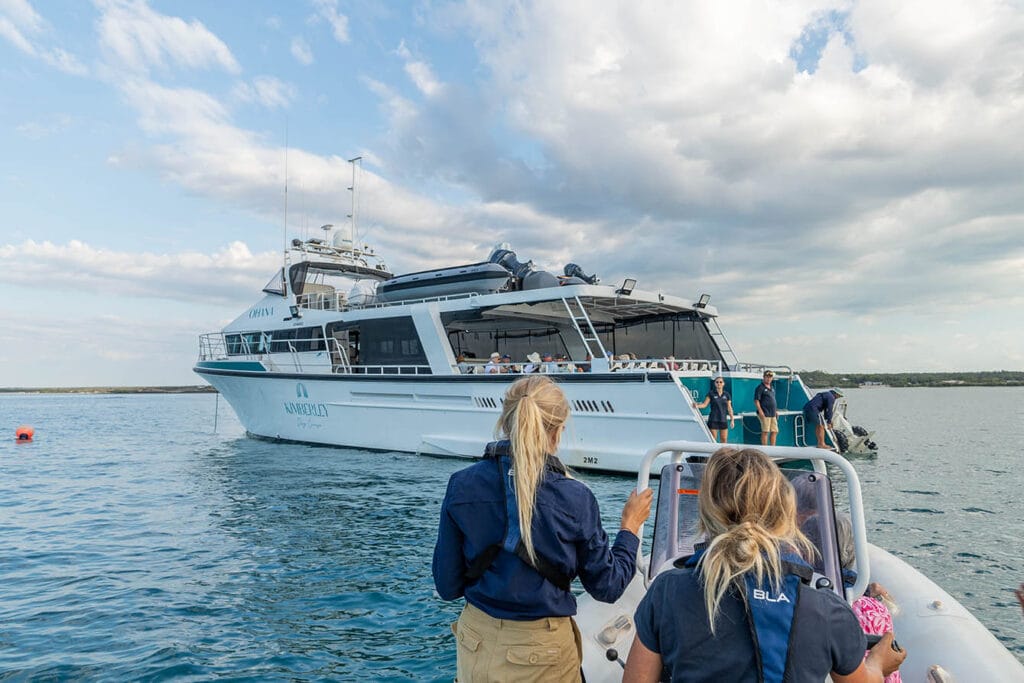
(817, 456)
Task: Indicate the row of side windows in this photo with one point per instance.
(277, 341)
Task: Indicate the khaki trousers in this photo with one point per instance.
(493, 650)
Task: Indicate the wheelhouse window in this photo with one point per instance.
(276, 284)
(298, 339)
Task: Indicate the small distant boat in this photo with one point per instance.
(872, 385)
(938, 633)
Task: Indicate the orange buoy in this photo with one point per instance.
(24, 433)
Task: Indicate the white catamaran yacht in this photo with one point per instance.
(340, 351)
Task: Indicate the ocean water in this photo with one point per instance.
(138, 544)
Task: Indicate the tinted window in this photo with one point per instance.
(297, 339)
(391, 341)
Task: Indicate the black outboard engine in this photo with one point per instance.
(571, 270)
(507, 259)
(526, 273)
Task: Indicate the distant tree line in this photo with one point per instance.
(1001, 378)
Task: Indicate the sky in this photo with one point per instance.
(845, 179)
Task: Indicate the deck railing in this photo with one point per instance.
(476, 366)
(338, 301)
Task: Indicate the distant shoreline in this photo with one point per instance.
(189, 389)
(852, 380)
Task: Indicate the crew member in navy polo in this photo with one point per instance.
(767, 409)
(721, 408)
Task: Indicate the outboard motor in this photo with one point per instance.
(507, 259)
(572, 270)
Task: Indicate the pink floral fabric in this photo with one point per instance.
(874, 618)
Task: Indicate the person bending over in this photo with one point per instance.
(698, 621)
(515, 531)
(818, 412)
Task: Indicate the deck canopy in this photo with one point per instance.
(648, 329)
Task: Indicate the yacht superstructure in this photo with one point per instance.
(340, 351)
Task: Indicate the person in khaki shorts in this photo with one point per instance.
(767, 409)
(515, 531)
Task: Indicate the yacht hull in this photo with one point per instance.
(611, 414)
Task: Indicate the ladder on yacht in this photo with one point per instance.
(800, 433)
(581, 321)
(339, 356)
(723, 344)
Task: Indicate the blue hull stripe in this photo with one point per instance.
(248, 366)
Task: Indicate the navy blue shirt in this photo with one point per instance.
(822, 402)
(719, 413)
(765, 395)
(671, 620)
(567, 532)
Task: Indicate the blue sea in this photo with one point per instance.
(137, 543)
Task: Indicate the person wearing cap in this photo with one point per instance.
(721, 407)
(550, 366)
(493, 366)
(818, 412)
(767, 409)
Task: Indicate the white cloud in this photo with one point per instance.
(419, 72)
(15, 37)
(17, 17)
(36, 130)
(267, 91)
(138, 38)
(328, 11)
(301, 51)
(231, 275)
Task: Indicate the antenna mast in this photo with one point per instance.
(352, 189)
(284, 241)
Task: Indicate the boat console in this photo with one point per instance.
(675, 528)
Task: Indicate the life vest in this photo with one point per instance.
(501, 453)
(770, 613)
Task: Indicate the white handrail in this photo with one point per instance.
(817, 456)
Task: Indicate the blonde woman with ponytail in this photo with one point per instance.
(515, 530)
(742, 609)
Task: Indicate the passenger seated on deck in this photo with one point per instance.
(493, 366)
(532, 363)
(695, 620)
(550, 366)
(872, 608)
